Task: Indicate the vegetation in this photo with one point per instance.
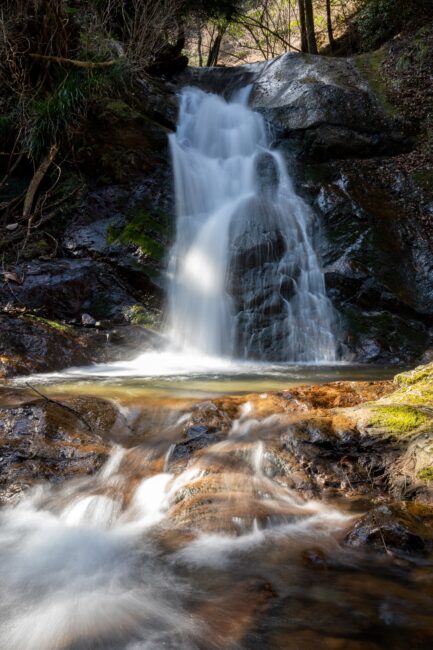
(398, 419)
(426, 474)
(58, 58)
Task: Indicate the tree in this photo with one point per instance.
(302, 26)
(329, 25)
(309, 21)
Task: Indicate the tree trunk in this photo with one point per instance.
(302, 26)
(199, 48)
(309, 20)
(329, 25)
(214, 51)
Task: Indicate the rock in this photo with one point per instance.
(183, 451)
(31, 344)
(87, 320)
(386, 309)
(389, 529)
(321, 104)
(42, 441)
(325, 106)
(63, 289)
(11, 226)
(196, 430)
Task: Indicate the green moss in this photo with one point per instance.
(60, 327)
(36, 249)
(399, 419)
(419, 374)
(113, 233)
(144, 230)
(138, 315)
(370, 67)
(426, 474)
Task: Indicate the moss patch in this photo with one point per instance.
(143, 230)
(122, 110)
(60, 327)
(398, 419)
(419, 374)
(138, 315)
(370, 67)
(426, 474)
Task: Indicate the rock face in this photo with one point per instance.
(323, 108)
(375, 252)
(30, 344)
(66, 289)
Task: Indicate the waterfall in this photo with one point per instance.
(245, 279)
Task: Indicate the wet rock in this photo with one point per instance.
(207, 417)
(87, 320)
(182, 451)
(338, 394)
(325, 108)
(30, 344)
(196, 430)
(336, 457)
(64, 289)
(394, 529)
(385, 308)
(40, 440)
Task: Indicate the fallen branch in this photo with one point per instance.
(37, 179)
(79, 64)
(63, 406)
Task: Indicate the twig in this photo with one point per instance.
(77, 63)
(64, 406)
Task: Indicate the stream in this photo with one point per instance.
(197, 532)
(213, 550)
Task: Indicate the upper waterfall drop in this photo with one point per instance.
(245, 279)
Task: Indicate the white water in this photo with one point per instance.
(233, 198)
(81, 568)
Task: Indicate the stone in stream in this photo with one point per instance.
(394, 528)
(43, 441)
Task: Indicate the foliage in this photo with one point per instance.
(379, 20)
(56, 116)
(138, 315)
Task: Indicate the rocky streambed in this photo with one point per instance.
(301, 518)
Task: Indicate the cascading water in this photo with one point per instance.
(245, 278)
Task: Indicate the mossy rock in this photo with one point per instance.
(419, 374)
(398, 419)
(139, 315)
(146, 229)
(370, 67)
(426, 474)
(52, 324)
